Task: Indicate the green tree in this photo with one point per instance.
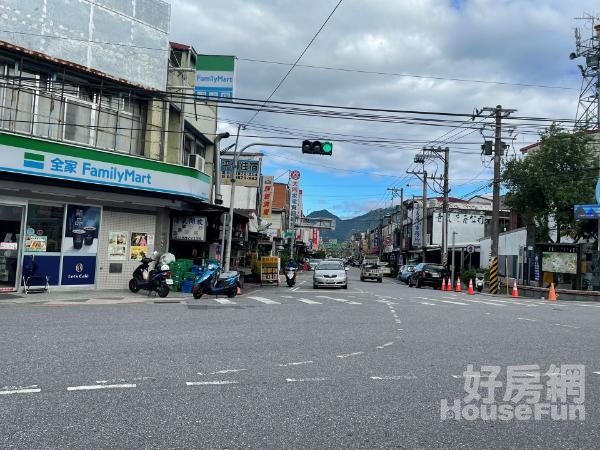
(545, 184)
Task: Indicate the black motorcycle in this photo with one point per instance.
(290, 276)
(152, 280)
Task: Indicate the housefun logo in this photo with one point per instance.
(33, 161)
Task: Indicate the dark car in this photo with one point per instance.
(426, 274)
(406, 272)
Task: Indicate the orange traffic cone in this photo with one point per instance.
(449, 285)
(458, 286)
(470, 291)
(443, 288)
(515, 291)
(552, 293)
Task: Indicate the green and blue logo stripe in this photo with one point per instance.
(33, 160)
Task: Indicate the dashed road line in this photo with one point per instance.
(395, 377)
(27, 390)
(220, 372)
(94, 387)
(300, 380)
(298, 363)
(347, 355)
(427, 303)
(528, 320)
(454, 303)
(210, 383)
(341, 300)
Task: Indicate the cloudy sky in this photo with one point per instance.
(395, 54)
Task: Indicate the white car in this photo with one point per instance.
(330, 274)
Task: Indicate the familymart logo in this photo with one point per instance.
(33, 160)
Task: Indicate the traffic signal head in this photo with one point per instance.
(317, 148)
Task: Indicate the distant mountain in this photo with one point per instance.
(345, 227)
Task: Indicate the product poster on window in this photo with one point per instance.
(81, 232)
(117, 245)
(140, 243)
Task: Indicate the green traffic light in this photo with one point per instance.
(327, 148)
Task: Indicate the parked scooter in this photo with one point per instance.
(290, 276)
(479, 281)
(212, 282)
(153, 280)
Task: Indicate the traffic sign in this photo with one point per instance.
(295, 174)
(470, 248)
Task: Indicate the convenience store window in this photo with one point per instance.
(44, 228)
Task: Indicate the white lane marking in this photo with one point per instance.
(427, 303)
(567, 326)
(224, 301)
(423, 298)
(309, 302)
(454, 303)
(347, 355)
(387, 344)
(342, 300)
(597, 373)
(395, 377)
(299, 380)
(397, 321)
(295, 289)
(101, 386)
(266, 301)
(21, 391)
(286, 296)
(209, 383)
(219, 372)
(528, 320)
(486, 303)
(299, 363)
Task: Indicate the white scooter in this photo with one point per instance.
(290, 276)
(479, 281)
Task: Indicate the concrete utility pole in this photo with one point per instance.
(430, 153)
(424, 215)
(394, 192)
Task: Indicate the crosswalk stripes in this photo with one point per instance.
(224, 301)
(266, 301)
(309, 302)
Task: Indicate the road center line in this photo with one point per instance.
(101, 386)
(209, 383)
(299, 363)
(454, 303)
(395, 377)
(219, 372)
(528, 320)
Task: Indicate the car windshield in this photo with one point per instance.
(327, 265)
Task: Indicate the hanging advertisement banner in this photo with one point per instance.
(417, 224)
(189, 228)
(215, 76)
(315, 239)
(294, 186)
(248, 170)
(117, 245)
(267, 197)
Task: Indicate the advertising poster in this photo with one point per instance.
(81, 231)
(36, 243)
(558, 262)
(117, 245)
(140, 243)
(78, 270)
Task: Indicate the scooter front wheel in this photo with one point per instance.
(290, 283)
(197, 292)
(133, 286)
(232, 292)
(163, 290)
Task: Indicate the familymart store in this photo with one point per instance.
(83, 217)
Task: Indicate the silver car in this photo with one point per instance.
(330, 274)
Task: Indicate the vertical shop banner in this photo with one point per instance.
(267, 197)
(417, 225)
(315, 239)
(300, 213)
(294, 186)
(140, 243)
(117, 245)
(81, 231)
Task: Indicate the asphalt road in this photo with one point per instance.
(366, 367)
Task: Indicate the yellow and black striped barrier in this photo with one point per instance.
(494, 275)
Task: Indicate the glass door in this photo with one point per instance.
(11, 223)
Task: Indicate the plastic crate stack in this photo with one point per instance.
(178, 270)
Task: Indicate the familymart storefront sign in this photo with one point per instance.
(48, 159)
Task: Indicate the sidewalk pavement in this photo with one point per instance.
(64, 297)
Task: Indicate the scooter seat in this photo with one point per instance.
(227, 275)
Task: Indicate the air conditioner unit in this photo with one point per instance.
(197, 162)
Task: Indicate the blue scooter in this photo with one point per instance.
(212, 282)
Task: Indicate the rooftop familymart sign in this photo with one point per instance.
(215, 76)
(52, 160)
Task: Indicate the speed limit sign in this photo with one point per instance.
(470, 248)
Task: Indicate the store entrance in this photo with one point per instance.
(11, 221)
